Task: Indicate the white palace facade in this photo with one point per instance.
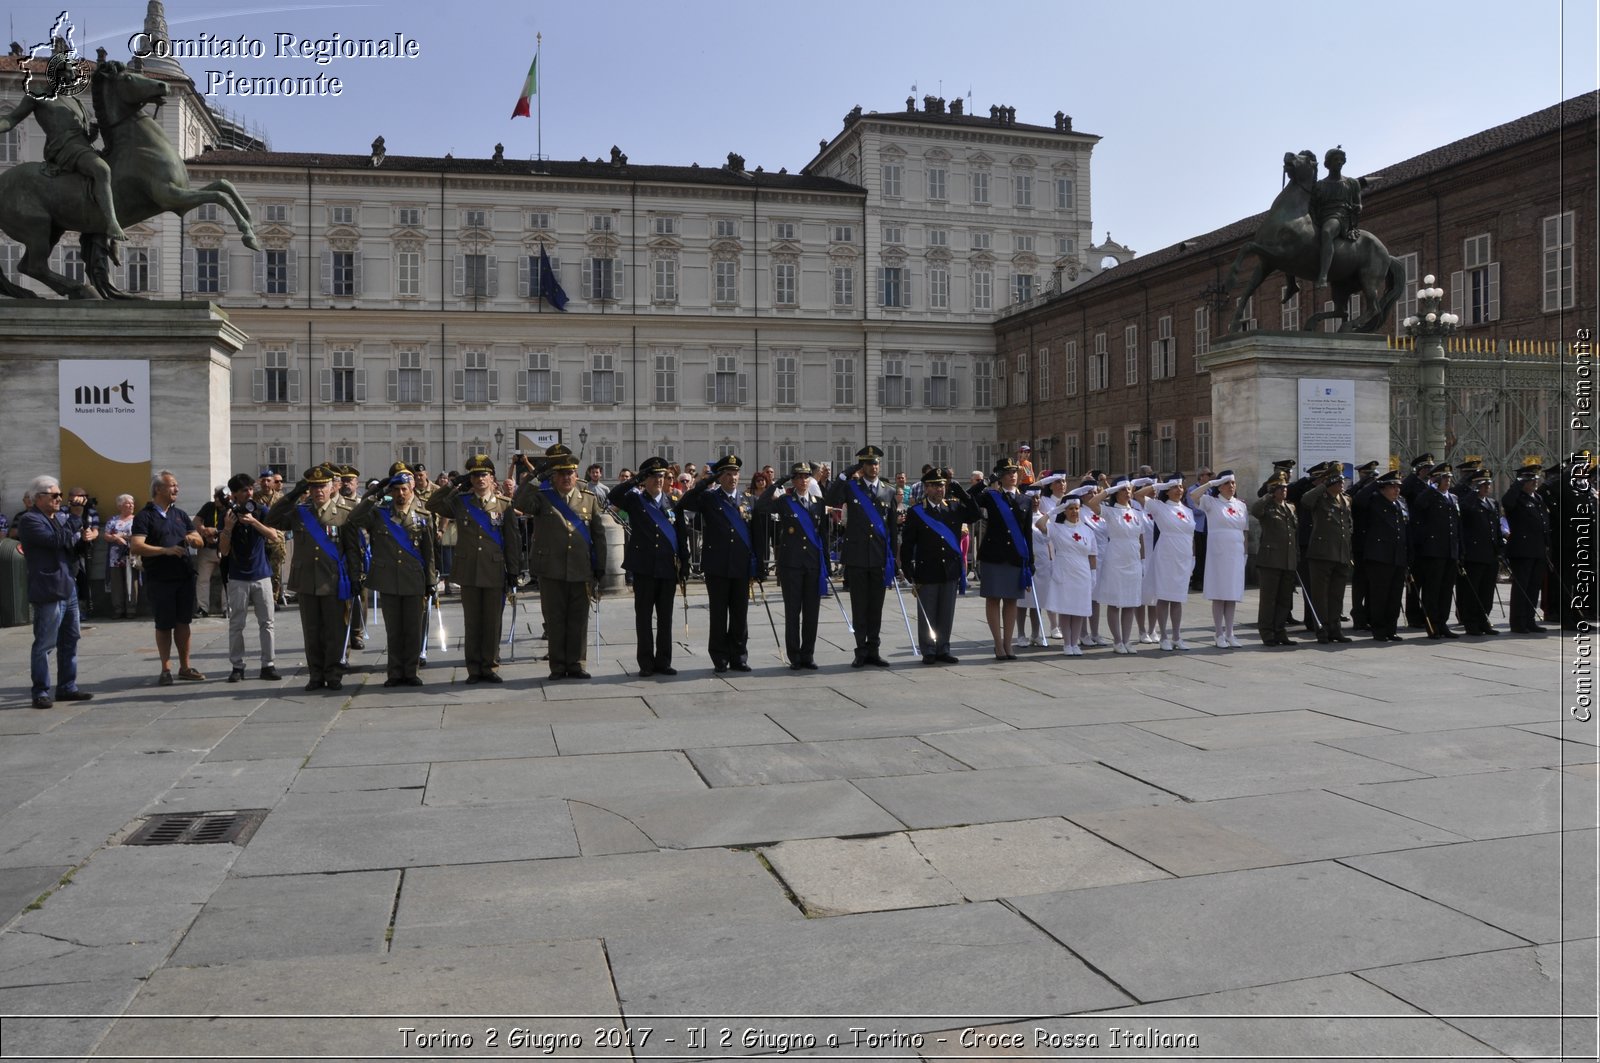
(395, 311)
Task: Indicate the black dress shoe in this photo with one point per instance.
(74, 695)
(1009, 657)
(314, 684)
(1488, 631)
(43, 702)
(412, 681)
(1343, 638)
(795, 666)
(1447, 633)
(1533, 629)
(666, 669)
(876, 661)
(945, 658)
(809, 665)
(930, 659)
(578, 673)
(740, 666)
(719, 666)
(1395, 636)
(859, 662)
(392, 681)
(269, 673)
(332, 684)
(557, 675)
(492, 677)
(474, 678)
(646, 673)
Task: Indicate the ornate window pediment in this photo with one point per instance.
(343, 232)
(666, 244)
(1025, 261)
(981, 158)
(1024, 162)
(983, 259)
(842, 253)
(936, 155)
(726, 247)
(938, 254)
(892, 151)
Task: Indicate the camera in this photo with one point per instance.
(245, 509)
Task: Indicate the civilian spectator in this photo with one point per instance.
(50, 541)
(243, 543)
(592, 477)
(163, 535)
(122, 572)
(208, 522)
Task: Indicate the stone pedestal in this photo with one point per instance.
(1255, 396)
(189, 348)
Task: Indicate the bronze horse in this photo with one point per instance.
(148, 178)
(1287, 241)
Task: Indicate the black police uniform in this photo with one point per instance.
(728, 562)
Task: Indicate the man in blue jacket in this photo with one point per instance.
(50, 542)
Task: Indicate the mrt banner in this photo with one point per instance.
(105, 429)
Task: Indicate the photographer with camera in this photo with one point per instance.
(242, 542)
(208, 522)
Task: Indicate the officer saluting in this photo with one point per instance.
(404, 566)
(728, 559)
(569, 550)
(930, 555)
(795, 528)
(322, 572)
(1527, 548)
(650, 556)
(872, 509)
(488, 557)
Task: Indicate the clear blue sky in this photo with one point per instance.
(1192, 136)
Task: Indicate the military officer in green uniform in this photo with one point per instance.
(488, 557)
(320, 573)
(1330, 552)
(1277, 559)
(361, 549)
(569, 551)
(404, 566)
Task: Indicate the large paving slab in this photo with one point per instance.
(1180, 840)
(1317, 825)
(20, 886)
(285, 916)
(220, 785)
(678, 732)
(1260, 926)
(1260, 729)
(1331, 1019)
(599, 775)
(1086, 702)
(1489, 804)
(1421, 711)
(261, 741)
(319, 840)
(1033, 856)
(906, 714)
(1461, 752)
(497, 986)
(1493, 996)
(958, 798)
(1537, 887)
(588, 897)
(342, 749)
(976, 959)
(752, 815)
(861, 758)
(1210, 775)
(840, 876)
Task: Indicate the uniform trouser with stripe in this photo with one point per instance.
(1277, 602)
(481, 612)
(653, 597)
(1328, 580)
(1475, 594)
(866, 606)
(801, 603)
(1435, 579)
(404, 619)
(1383, 591)
(1526, 575)
(936, 613)
(564, 603)
(730, 609)
(322, 623)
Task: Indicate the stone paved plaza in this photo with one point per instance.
(1360, 852)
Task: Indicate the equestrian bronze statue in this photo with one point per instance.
(1310, 234)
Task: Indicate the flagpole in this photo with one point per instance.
(538, 122)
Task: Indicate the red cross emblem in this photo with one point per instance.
(1181, 515)
(1230, 511)
(1077, 538)
(1127, 518)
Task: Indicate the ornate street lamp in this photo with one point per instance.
(1429, 327)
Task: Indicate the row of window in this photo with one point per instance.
(604, 382)
(1133, 448)
(937, 183)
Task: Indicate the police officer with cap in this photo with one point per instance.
(930, 556)
(727, 559)
(569, 553)
(1365, 474)
(1482, 543)
(1382, 548)
(1527, 547)
(872, 510)
(650, 556)
(488, 557)
(404, 566)
(1436, 548)
(792, 526)
(322, 571)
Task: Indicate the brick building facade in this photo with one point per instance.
(1103, 375)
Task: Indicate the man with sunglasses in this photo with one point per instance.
(50, 541)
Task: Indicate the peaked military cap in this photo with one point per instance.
(1284, 463)
(400, 468)
(1005, 465)
(801, 468)
(726, 463)
(1420, 460)
(935, 476)
(1390, 479)
(1479, 476)
(1371, 466)
(480, 463)
(319, 474)
(869, 453)
(1440, 470)
(651, 466)
(1530, 471)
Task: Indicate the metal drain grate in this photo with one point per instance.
(198, 828)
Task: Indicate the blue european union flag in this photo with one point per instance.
(550, 288)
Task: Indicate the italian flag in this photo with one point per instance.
(529, 88)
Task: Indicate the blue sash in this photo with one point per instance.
(809, 526)
(319, 535)
(400, 537)
(485, 522)
(573, 519)
(1018, 541)
(740, 528)
(866, 503)
(657, 515)
(942, 530)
